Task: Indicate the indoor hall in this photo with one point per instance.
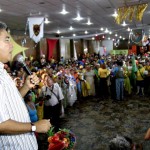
(96, 53)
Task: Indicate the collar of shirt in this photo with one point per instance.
(1, 67)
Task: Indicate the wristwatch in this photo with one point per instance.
(33, 127)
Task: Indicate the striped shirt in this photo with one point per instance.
(13, 107)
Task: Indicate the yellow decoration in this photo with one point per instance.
(31, 58)
(140, 10)
(118, 20)
(125, 13)
(17, 48)
(130, 12)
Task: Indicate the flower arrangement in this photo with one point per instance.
(64, 139)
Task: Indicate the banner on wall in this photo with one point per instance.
(36, 27)
(102, 51)
(135, 37)
(119, 52)
(51, 43)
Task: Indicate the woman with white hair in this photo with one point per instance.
(124, 143)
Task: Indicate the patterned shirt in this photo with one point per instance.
(13, 107)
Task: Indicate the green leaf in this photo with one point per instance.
(51, 131)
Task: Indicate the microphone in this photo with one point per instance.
(25, 67)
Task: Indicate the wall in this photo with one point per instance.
(63, 47)
(108, 44)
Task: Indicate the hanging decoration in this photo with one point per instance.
(51, 44)
(130, 13)
(36, 27)
(17, 48)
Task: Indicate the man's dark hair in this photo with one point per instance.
(119, 63)
(3, 26)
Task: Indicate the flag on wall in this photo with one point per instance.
(36, 27)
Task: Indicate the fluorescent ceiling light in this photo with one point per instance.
(106, 31)
(102, 29)
(89, 22)
(78, 18)
(46, 21)
(115, 14)
(124, 23)
(86, 32)
(128, 29)
(64, 12)
(58, 32)
(71, 28)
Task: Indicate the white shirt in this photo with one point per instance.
(54, 100)
(13, 107)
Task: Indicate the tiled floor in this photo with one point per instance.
(96, 123)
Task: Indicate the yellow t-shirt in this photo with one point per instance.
(103, 73)
(139, 74)
(147, 67)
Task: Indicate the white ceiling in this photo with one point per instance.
(16, 12)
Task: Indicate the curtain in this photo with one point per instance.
(51, 43)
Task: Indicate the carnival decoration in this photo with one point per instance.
(36, 27)
(17, 48)
(64, 139)
(130, 13)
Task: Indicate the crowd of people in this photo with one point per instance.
(55, 85)
(64, 82)
(103, 77)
